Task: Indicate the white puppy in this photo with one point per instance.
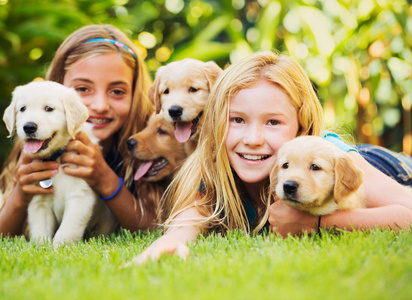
(46, 116)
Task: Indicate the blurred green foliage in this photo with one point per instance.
(358, 53)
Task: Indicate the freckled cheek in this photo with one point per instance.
(232, 138)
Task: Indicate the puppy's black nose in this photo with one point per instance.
(131, 144)
(175, 111)
(290, 187)
(30, 128)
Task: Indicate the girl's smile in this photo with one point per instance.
(261, 119)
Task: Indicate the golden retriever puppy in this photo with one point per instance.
(46, 116)
(314, 175)
(157, 149)
(159, 156)
(181, 90)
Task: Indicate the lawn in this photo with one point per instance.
(358, 265)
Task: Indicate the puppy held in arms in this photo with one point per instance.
(46, 116)
(181, 90)
(314, 175)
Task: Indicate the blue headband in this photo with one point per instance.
(116, 43)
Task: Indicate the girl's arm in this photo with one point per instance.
(174, 241)
(389, 205)
(14, 212)
(91, 166)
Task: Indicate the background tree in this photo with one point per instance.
(356, 52)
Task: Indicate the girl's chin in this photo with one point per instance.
(102, 135)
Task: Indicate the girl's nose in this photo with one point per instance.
(254, 136)
(99, 103)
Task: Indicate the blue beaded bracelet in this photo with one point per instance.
(115, 193)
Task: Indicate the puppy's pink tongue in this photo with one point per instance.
(183, 131)
(143, 168)
(32, 146)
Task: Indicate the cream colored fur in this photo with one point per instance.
(185, 84)
(59, 114)
(326, 178)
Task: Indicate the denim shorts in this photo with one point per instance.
(396, 165)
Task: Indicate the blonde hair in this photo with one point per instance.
(206, 177)
(73, 49)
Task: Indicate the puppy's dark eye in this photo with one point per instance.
(48, 108)
(161, 131)
(193, 90)
(285, 166)
(166, 91)
(314, 167)
(22, 109)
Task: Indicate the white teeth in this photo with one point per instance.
(99, 121)
(254, 157)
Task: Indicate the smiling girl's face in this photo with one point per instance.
(261, 120)
(104, 83)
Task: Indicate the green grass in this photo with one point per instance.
(358, 265)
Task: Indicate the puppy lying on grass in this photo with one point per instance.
(46, 116)
(314, 175)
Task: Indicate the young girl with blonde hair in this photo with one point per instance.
(104, 66)
(256, 106)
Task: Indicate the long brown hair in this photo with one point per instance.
(70, 51)
(74, 48)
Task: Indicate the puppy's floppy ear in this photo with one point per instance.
(154, 94)
(76, 111)
(348, 177)
(9, 116)
(212, 70)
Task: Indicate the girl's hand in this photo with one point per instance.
(89, 161)
(288, 220)
(30, 172)
(164, 245)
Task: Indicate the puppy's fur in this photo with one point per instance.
(159, 156)
(46, 116)
(314, 175)
(181, 90)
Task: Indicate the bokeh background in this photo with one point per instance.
(358, 53)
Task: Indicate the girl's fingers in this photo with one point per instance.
(82, 144)
(83, 137)
(35, 177)
(183, 251)
(35, 170)
(77, 146)
(36, 189)
(76, 158)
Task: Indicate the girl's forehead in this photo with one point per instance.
(259, 92)
(103, 67)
